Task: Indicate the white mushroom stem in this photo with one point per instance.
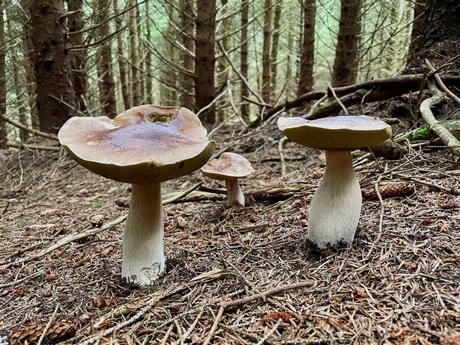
(143, 256)
(234, 194)
(336, 205)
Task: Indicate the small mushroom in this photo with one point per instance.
(144, 146)
(336, 205)
(229, 167)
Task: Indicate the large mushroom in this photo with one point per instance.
(336, 205)
(229, 167)
(144, 146)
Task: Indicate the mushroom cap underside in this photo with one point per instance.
(141, 145)
(335, 133)
(227, 167)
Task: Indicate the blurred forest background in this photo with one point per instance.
(229, 60)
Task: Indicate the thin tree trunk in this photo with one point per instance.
(134, 55)
(104, 66)
(346, 61)
(30, 78)
(141, 55)
(307, 60)
(266, 56)
(169, 74)
(19, 103)
(244, 57)
(204, 57)
(289, 79)
(186, 97)
(78, 57)
(55, 94)
(148, 57)
(3, 138)
(120, 59)
(276, 38)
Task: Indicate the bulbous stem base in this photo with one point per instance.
(336, 205)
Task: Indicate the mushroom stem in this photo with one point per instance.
(234, 194)
(336, 205)
(143, 256)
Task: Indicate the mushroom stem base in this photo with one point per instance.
(235, 195)
(336, 205)
(143, 256)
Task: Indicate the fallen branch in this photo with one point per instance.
(426, 114)
(34, 147)
(152, 301)
(30, 130)
(90, 232)
(381, 89)
(266, 293)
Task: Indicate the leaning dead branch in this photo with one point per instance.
(27, 129)
(426, 114)
(369, 91)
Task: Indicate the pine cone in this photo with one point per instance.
(30, 333)
(390, 190)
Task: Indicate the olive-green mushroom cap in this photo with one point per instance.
(228, 166)
(335, 133)
(143, 144)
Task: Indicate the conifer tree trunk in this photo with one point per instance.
(289, 83)
(186, 97)
(120, 59)
(77, 59)
(224, 29)
(436, 24)
(19, 103)
(307, 60)
(140, 53)
(104, 66)
(168, 73)
(276, 38)
(55, 94)
(205, 58)
(134, 55)
(266, 57)
(3, 139)
(244, 57)
(345, 69)
(148, 57)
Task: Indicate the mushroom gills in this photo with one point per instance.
(336, 205)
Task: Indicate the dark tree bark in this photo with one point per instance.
(3, 139)
(186, 97)
(205, 58)
(134, 55)
(120, 59)
(436, 27)
(104, 66)
(140, 53)
(55, 94)
(30, 77)
(148, 58)
(346, 61)
(276, 38)
(169, 74)
(244, 56)
(78, 57)
(307, 60)
(266, 56)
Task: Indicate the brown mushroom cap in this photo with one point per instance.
(336, 133)
(228, 166)
(141, 145)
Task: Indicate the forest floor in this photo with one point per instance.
(234, 275)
